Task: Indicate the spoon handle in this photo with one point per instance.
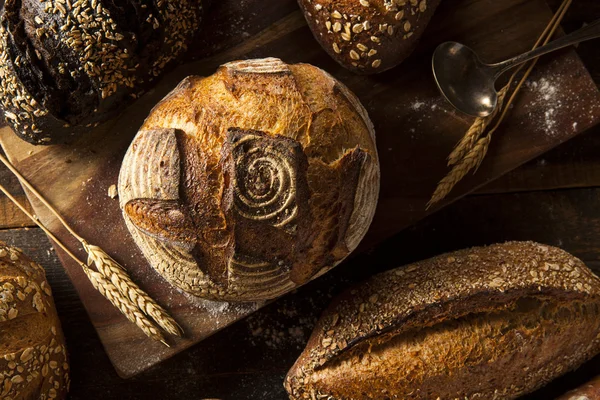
(588, 32)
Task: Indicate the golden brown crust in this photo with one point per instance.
(446, 290)
(589, 391)
(33, 358)
(247, 183)
(368, 36)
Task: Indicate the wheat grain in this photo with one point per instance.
(112, 294)
(472, 160)
(123, 293)
(476, 130)
(470, 151)
(116, 274)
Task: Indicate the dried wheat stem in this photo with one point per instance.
(110, 291)
(475, 131)
(122, 303)
(112, 271)
(38, 195)
(471, 150)
(106, 265)
(472, 160)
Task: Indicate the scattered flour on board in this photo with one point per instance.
(547, 98)
(554, 100)
(417, 105)
(282, 330)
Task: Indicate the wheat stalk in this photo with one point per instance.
(133, 314)
(471, 150)
(476, 131)
(472, 160)
(115, 273)
(110, 280)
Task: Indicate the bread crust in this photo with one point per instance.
(478, 283)
(33, 357)
(368, 36)
(248, 183)
(588, 391)
(67, 66)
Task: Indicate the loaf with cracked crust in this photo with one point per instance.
(33, 357)
(67, 65)
(368, 36)
(492, 322)
(245, 184)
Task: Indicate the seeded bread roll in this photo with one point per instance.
(66, 65)
(589, 391)
(33, 358)
(368, 36)
(487, 323)
(246, 184)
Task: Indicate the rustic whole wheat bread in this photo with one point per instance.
(33, 357)
(486, 323)
(588, 391)
(68, 65)
(245, 184)
(368, 36)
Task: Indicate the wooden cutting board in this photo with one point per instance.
(416, 130)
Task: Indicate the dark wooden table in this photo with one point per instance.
(554, 199)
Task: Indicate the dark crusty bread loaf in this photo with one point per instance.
(33, 358)
(66, 65)
(245, 184)
(368, 36)
(486, 323)
(588, 391)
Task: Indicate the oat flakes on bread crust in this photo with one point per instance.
(33, 357)
(509, 295)
(368, 36)
(66, 66)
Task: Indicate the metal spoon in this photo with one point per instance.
(469, 84)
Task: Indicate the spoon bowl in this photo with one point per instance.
(469, 84)
(465, 81)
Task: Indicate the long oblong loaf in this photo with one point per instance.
(587, 391)
(33, 357)
(486, 323)
(68, 65)
(368, 36)
(246, 184)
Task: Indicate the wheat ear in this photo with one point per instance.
(133, 314)
(112, 271)
(472, 160)
(106, 288)
(473, 149)
(127, 291)
(475, 131)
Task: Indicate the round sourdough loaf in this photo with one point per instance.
(493, 322)
(243, 185)
(33, 358)
(368, 36)
(68, 65)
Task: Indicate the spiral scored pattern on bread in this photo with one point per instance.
(66, 65)
(264, 183)
(243, 185)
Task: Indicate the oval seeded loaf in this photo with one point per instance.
(487, 323)
(588, 391)
(368, 36)
(68, 65)
(33, 358)
(245, 184)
